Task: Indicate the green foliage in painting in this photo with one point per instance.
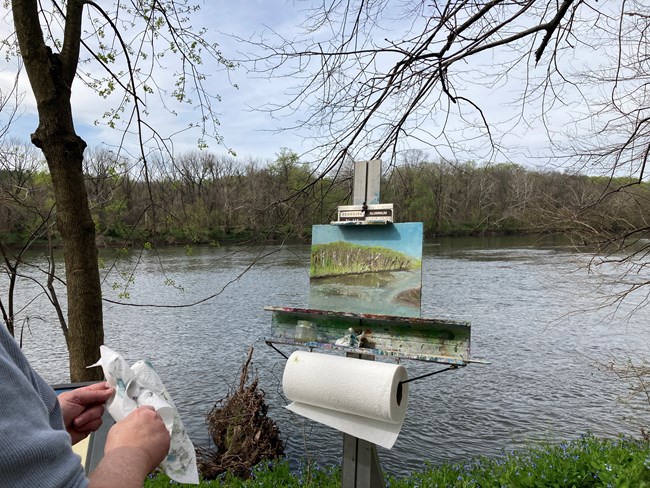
(340, 258)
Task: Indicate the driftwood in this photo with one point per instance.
(242, 433)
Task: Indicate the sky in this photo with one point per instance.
(252, 133)
(245, 130)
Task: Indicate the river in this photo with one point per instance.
(536, 315)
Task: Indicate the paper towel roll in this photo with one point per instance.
(359, 397)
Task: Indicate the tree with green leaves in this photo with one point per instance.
(125, 44)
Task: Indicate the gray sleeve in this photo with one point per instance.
(32, 452)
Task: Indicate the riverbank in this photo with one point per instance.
(587, 461)
(246, 237)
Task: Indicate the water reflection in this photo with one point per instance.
(390, 292)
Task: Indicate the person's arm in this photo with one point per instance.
(82, 409)
(135, 446)
(34, 447)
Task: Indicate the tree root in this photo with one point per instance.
(242, 433)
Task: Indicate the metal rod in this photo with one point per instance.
(453, 366)
(278, 350)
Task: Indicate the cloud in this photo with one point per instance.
(248, 132)
(254, 133)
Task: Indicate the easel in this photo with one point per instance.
(400, 335)
(360, 467)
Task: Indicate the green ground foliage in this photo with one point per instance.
(340, 258)
(584, 462)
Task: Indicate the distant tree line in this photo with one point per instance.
(468, 198)
(203, 198)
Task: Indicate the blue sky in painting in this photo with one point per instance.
(403, 237)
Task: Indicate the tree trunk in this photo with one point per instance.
(51, 76)
(85, 321)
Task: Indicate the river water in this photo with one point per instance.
(536, 315)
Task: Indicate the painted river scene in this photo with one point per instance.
(540, 324)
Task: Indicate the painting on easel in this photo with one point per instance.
(374, 269)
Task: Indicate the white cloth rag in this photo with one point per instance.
(140, 385)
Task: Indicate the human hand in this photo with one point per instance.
(134, 447)
(82, 409)
(142, 431)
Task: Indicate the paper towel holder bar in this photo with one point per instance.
(410, 380)
(449, 368)
(270, 344)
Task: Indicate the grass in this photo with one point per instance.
(342, 258)
(585, 462)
